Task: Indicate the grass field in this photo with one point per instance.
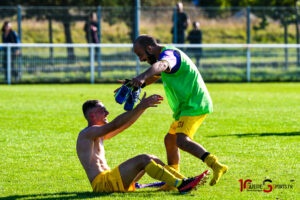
(254, 129)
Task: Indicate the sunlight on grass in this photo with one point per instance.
(254, 129)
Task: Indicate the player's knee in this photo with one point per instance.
(167, 139)
(170, 140)
(182, 140)
(152, 157)
(145, 159)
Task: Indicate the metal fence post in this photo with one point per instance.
(137, 29)
(248, 48)
(20, 38)
(175, 25)
(98, 51)
(50, 39)
(8, 71)
(248, 64)
(20, 22)
(297, 34)
(286, 53)
(92, 64)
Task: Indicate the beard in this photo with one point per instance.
(151, 58)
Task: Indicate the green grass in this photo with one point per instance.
(254, 129)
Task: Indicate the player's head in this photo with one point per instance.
(143, 47)
(94, 111)
(6, 26)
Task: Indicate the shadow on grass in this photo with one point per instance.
(85, 195)
(59, 195)
(258, 134)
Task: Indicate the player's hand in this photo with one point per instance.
(150, 101)
(137, 82)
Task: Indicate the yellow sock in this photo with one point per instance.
(174, 169)
(218, 168)
(157, 171)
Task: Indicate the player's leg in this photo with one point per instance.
(154, 168)
(132, 168)
(173, 154)
(185, 131)
(187, 144)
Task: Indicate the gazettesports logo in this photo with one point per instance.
(266, 186)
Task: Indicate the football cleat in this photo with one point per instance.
(189, 184)
(132, 98)
(122, 93)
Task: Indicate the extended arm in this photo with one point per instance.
(138, 111)
(152, 79)
(149, 75)
(124, 120)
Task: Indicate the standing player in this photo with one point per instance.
(90, 151)
(187, 96)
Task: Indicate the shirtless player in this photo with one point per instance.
(90, 151)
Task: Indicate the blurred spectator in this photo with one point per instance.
(91, 28)
(195, 37)
(10, 36)
(182, 24)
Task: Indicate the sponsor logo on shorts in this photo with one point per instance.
(180, 124)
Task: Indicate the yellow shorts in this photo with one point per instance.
(110, 181)
(187, 125)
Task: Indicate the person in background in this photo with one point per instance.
(10, 36)
(91, 31)
(91, 28)
(182, 24)
(195, 37)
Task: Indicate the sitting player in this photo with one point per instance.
(90, 151)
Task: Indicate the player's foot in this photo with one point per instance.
(132, 99)
(189, 184)
(218, 168)
(122, 93)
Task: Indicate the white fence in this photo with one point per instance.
(38, 60)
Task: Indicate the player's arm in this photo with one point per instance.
(151, 80)
(140, 108)
(148, 81)
(124, 120)
(156, 69)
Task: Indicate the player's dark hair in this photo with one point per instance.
(145, 40)
(89, 104)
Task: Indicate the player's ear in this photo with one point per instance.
(149, 48)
